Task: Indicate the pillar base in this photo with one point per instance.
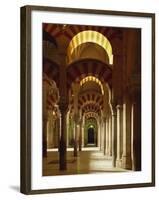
(126, 162)
(62, 155)
(75, 152)
(80, 148)
(63, 166)
(63, 161)
(110, 154)
(114, 161)
(136, 166)
(119, 163)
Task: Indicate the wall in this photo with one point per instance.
(9, 106)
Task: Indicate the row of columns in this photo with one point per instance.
(122, 142)
(121, 136)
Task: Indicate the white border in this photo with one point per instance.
(52, 182)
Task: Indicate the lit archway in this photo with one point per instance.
(94, 79)
(90, 36)
(91, 133)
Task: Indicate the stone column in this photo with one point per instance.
(104, 134)
(75, 88)
(44, 146)
(55, 131)
(50, 133)
(136, 131)
(51, 129)
(68, 124)
(76, 135)
(107, 136)
(83, 124)
(119, 135)
(80, 136)
(63, 136)
(58, 130)
(110, 136)
(114, 137)
(63, 107)
(71, 129)
(45, 118)
(101, 135)
(126, 156)
(98, 134)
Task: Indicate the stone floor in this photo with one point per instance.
(89, 160)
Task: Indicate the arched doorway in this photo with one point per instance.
(91, 136)
(91, 133)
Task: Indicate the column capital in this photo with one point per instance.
(114, 110)
(76, 118)
(63, 105)
(80, 122)
(104, 119)
(119, 107)
(114, 113)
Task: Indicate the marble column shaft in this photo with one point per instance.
(80, 136)
(126, 156)
(107, 136)
(110, 136)
(119, 135)
(76, 127)
(104, 134)
(63, 139)
(136, 134)
(114, 137)
(44, 149)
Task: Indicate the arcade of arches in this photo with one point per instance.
(91, 99)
